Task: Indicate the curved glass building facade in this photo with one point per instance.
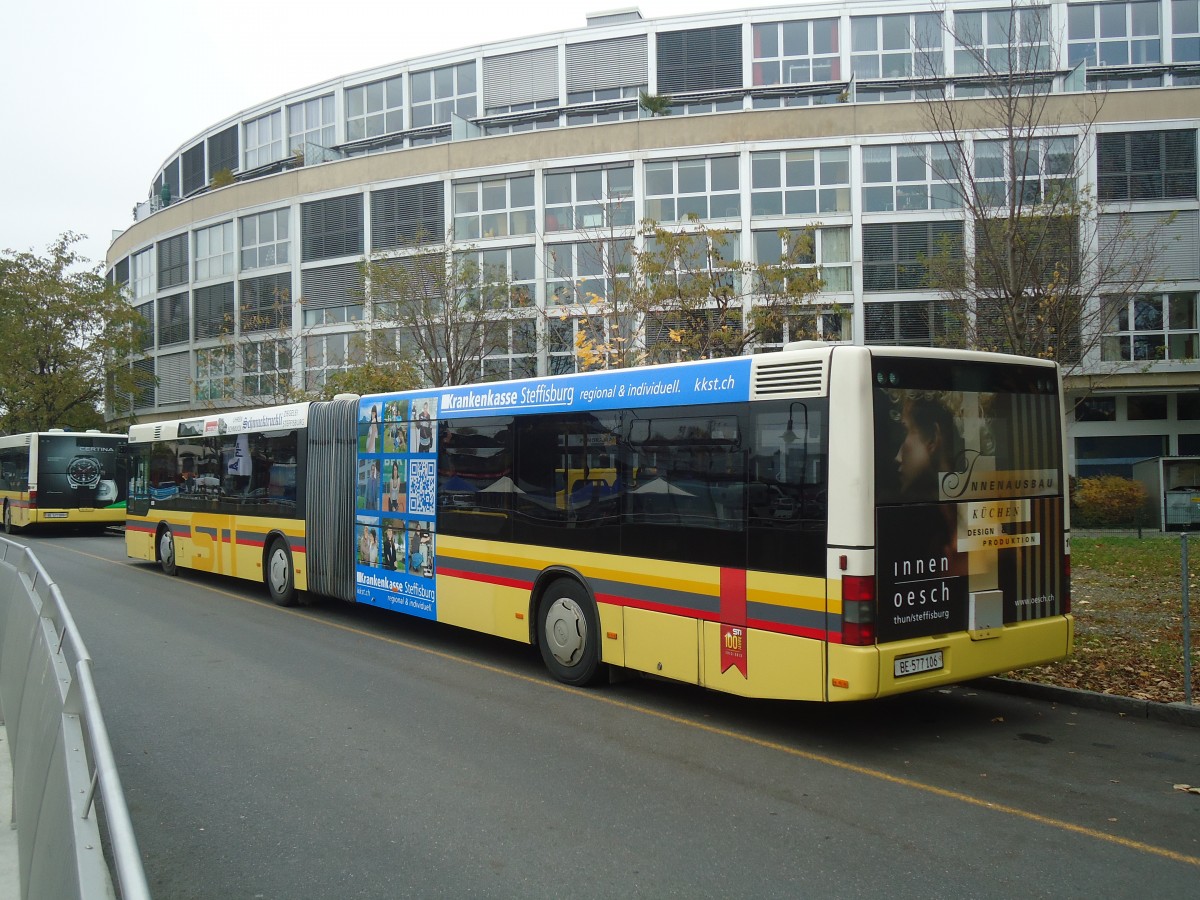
(245, 257)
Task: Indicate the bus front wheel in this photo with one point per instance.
(166, 552)
(569, 633)
(280, 580)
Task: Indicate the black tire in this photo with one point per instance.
(278, 575)
(166, 552)
(9, 527)
(569, 633)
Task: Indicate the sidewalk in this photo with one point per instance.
(10, 866)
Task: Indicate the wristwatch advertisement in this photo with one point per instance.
(83, 476)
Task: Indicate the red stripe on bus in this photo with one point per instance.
(617, 600)
(485, 579)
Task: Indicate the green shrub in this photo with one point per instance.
(1108, 500)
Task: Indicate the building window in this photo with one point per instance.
(516, 266)
(797, 52)
(899, 46)
(173, 262)
(264, 140)
(913, 323)
(174, 321)
(831, 251)
(1113, 34)
(1146, 407)
(375, 109)
(214, 310)
(311, 122)
(589, 198)
(141, 279)
(437, 94)
(909, 177)
(1001, 40)
(266, 368)
(512, 350)
(1185, 19)
(223, 151)
(620, 103)
(330, 228)
(702, 59)
(332, 295)
(266, 303)
(896, 254)
(586, 273)
(407, 216)
(706, 188)
(215, 373)
(1038, 167)
(800, 182)
(1187, 407)
(328, 353)
(494, 207)
(214, 252)
(265, 240)
(1147, 165)
(1151, 327)
(808, 323)
(146, 312)
(193, 169)
(1096, 409)
(522, 124)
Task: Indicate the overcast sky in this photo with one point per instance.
(97, 94)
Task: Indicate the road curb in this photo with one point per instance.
(1174, 713)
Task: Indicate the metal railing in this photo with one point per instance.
(63, 766)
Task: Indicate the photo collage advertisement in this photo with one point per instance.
(396, 504)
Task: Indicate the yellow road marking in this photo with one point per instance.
(833, 762)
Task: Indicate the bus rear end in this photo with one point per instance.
(79, 479)
(960, 567)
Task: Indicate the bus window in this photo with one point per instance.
(787, 490)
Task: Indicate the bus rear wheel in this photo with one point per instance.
(166, 552)
(9, 527)
(569, 633)
(278, 575)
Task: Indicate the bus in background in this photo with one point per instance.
(825, 523)
(59, 477)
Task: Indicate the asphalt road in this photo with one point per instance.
(333, 751)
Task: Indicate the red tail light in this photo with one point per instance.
(1065, 604)
(33, 499)
(858, 610)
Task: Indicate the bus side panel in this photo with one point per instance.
(663, 644)
(778, 666)
(139, 538)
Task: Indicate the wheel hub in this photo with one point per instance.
(566, 631)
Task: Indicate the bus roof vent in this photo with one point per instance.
(158, 432)
(791, 379)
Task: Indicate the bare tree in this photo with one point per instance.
(592, 283)
(1038, 250)
(702, 300)
(446, 307)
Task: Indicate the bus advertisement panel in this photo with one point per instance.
(969, 488)
(398, 489)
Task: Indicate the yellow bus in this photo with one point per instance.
(825, 523)
(60, 477)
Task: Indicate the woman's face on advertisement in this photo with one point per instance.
(915, 456)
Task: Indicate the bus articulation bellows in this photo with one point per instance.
(823, 523)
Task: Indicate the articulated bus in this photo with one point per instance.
(823, 523)
(62, 477)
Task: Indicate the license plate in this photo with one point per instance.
(57, 515)
(913, 665)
